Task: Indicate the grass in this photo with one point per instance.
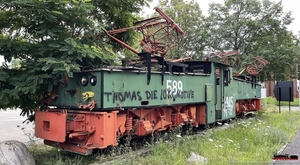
(47, 155)
(273, 101)
(244, 141)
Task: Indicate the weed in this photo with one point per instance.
(273, 101)
(254, 140)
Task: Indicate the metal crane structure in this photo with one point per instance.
(253, 67)
(160, 36)
(257, 65)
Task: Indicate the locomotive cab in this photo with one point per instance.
(79, 92)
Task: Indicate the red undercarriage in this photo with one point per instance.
(82, 131)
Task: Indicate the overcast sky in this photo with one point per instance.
(288, 5)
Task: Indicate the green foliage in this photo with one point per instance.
(254, 27)
(269, 101)
(16, 63)
(46, 155)
(54, 38)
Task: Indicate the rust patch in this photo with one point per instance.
(51, 97)
(91, 105)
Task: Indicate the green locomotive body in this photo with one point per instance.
(198, 93)
(121, 88)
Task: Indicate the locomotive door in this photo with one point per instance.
(219, 91)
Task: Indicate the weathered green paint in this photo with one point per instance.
(118, 89)
(209, 92)
(129, 89)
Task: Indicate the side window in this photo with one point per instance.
(217, 72)
(226, 77)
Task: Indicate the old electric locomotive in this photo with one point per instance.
(99, 106)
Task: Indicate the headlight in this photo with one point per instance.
(93, 80)
(84, 81)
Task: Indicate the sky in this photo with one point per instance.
(288, 5)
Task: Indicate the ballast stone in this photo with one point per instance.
(13, 152)
(196, 159)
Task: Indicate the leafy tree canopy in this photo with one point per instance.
(254, 27)
(54, 38)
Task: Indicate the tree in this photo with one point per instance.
(188, 15)
(254, 27)
(54, 38)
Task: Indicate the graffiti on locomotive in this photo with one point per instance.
(228, 106)
(173, 89)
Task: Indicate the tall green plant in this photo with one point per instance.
(254, 27)
(54, 38)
